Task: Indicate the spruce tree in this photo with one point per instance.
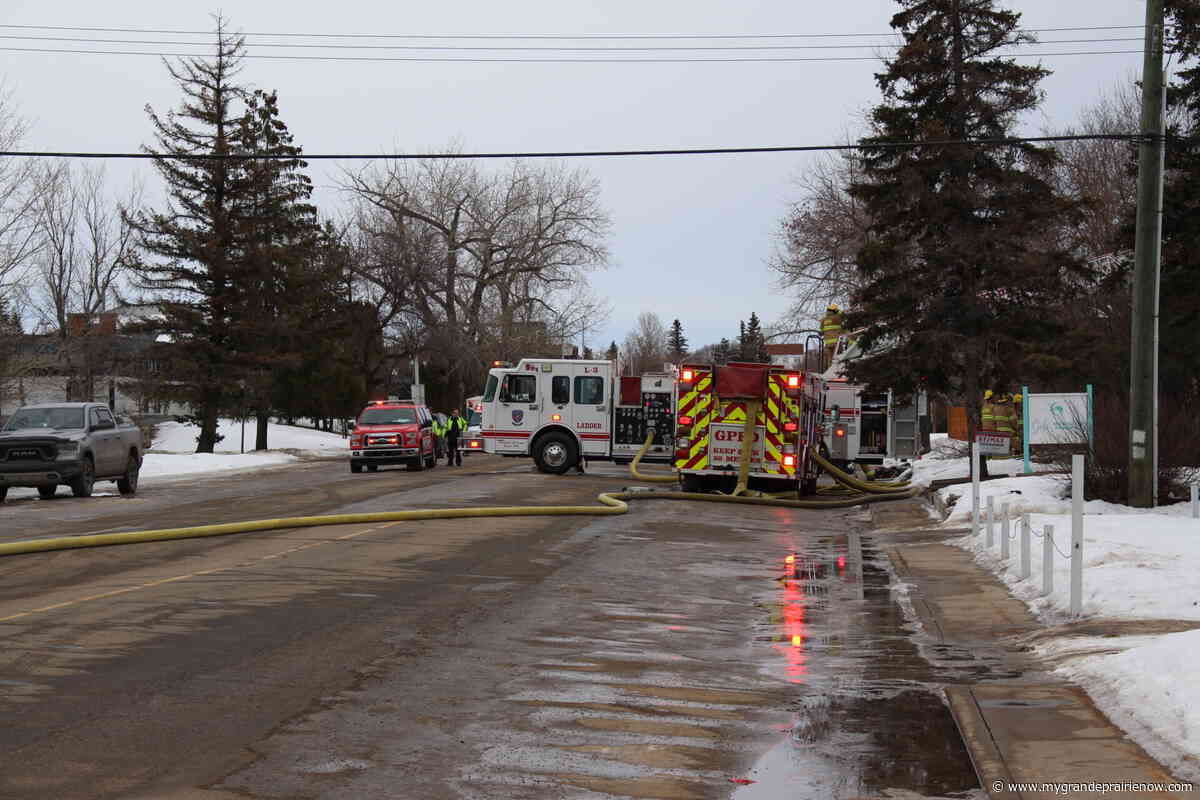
(754, 344)
(612, 352)
(722, 352)
(194, 268)
(677, 345)
(956, 280)
(287, 292)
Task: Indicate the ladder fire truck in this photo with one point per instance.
(560, 411)
(720, 406)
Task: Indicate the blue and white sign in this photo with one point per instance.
(1058, 418)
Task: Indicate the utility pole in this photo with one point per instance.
(1143, 390)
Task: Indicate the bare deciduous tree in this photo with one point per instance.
(821, 236)
(645, 348)
(21, 186)
(473, 263)
(79, 268)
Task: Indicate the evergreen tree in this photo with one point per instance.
(753, 345)
(722, 352)
(739, 353)
(956, 281)
(612, 352)
(677, 345)
(289, 291)
(195, 268)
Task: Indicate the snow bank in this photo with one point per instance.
(175, 437)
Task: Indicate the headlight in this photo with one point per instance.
(68, 450)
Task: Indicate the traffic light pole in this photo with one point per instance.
(1143, 393)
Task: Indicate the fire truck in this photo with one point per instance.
(865, 427)
(714, 407)
(559, 411)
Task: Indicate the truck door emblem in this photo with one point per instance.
(518, 417)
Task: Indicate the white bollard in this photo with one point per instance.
(1025, 556)
(974, 490)
(1195, 502)
(991, 518)
(1005, 530)
(1076, 534)
(1048, 560)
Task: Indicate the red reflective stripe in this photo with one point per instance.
(507, 434)
(595, 435)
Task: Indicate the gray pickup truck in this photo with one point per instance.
(72, 443)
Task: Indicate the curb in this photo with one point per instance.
(985, 756)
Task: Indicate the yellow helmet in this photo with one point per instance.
(1017, 397)
(832, 307)
(988, 394)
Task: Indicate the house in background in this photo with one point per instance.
(98, 358)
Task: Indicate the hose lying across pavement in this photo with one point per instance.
(611, 503)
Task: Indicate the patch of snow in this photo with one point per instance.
(176, 437)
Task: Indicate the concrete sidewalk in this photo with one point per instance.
(1020, 723)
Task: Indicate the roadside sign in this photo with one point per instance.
(993, 444)
(1058, 418)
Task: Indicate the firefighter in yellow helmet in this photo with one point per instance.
(998, 415)
(831, 331)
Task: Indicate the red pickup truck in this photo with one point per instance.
(393, 432)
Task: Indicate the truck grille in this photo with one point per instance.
(26, 453)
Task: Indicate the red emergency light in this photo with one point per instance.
(556, 417)
(793, 381)
(791, 427)
(687, 376)
(839, 432)
(789, 461)
(685, 420)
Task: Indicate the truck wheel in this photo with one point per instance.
(691, 483)
(82, 485)
(555, 453)
(127, 484)
(46, 492)
(355, 467)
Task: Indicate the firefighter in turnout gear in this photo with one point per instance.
(831, 331)
(998, 415)
(455, 427)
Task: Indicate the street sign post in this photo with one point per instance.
(991, 443)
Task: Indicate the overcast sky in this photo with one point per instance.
(691, 235)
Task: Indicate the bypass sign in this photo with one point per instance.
(725, 446)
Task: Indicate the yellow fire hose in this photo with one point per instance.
(611, 503)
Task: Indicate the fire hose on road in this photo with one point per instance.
(611, 503)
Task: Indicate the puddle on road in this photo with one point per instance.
(868, 718)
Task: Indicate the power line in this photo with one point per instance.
(537, 48)
(907, 145)
(536, 36)
(480, 60)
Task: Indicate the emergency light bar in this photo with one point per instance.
(501, 364)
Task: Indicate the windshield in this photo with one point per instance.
(489, 392)
(60, 418)
(387, 416)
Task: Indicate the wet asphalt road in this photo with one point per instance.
(669, 653)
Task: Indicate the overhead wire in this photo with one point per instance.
(534, 36)
(694, 151)
(479, 60)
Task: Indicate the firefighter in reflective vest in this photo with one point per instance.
(831, 331)
(455, 427)
(439, 436)
(997, 412)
